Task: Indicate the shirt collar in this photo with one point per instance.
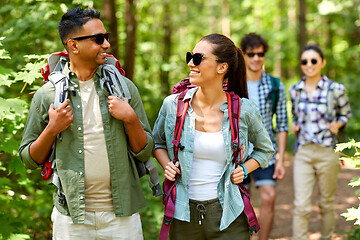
(72, 76)
(321, 84)
(190, 94)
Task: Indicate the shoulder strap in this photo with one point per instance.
(330, 102)
(275, 92)
(296, 105)
(234, 108)
(112, 80)
(181, 110)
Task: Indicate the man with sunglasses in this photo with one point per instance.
(98, 135)
(260, 89)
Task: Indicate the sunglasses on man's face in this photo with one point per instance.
(305, 61)
(252, 54)
(99, 38)
(196, 57)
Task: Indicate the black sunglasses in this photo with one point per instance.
(252, 54)
(196, 57)
(99, 38)
(305, 61)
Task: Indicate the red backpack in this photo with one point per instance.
(169, 187)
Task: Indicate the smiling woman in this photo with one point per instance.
(320, 108)
(208, 201)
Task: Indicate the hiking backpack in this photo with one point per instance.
(169, 187)
(112, 83)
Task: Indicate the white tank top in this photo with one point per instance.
(209, 159)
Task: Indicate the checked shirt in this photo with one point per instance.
(265, 108)
(311, 116)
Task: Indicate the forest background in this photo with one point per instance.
(150, 39)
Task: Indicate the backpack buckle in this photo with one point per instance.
(167, 220)
(62, 199)
(235, 145)
(178, 144)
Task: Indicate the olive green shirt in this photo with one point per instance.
(126, 189)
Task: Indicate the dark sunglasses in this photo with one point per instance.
(196, 57)
(252, 54)
(305, 61)
(99, 38)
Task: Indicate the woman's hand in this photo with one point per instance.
(334, 127)
(171, 170)
(238, 175)
(294, 128)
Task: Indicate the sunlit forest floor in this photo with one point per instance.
(345, 198)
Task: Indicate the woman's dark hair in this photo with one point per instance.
(315, 48)
(253, 40)
(226, 51)
(74, 19)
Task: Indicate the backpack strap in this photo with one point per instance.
(274, 93)
(169, 196)
(181, 109)
(234, 109)
(112, 80)
(330, 102)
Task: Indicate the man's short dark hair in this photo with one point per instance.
(74, 19)
(253, 40)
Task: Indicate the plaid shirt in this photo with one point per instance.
(313, 114)
(265, 108)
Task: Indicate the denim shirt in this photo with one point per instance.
(126, 189)
(250, 129)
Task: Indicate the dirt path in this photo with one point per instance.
(282, 227)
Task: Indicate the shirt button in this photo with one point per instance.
(80, 151)
(81, 173)
(78, 106)
(79, 128)
(82, 197)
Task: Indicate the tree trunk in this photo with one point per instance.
(302, 24)
(225, 20)
(164, 72)
(277, 44)
(109, 14)
(130, 44)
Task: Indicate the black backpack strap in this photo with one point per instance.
(274, 93)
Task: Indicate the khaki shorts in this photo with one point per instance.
(98, 225)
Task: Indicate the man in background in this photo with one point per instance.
(270, 97)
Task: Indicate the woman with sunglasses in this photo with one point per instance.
(320, 109)
(208, 202)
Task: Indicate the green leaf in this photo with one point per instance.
(352, 214)
(355, 182)
(4, 54)
(10, 108)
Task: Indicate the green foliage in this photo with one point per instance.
(25, 200)
(353, 159)
(30, 31)
(354, 234)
